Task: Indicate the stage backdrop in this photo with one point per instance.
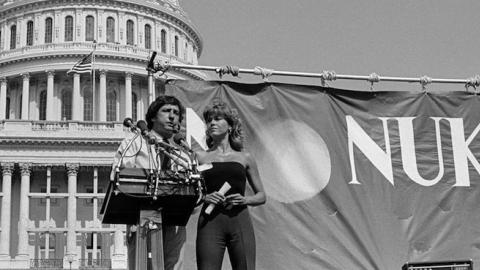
(354, 180)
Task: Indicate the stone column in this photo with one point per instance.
(7, 170)
(23, 219)
(3, 98)
(102, 97)
(50, 101)
(25, 96)
(70, 255)
(151, 88)
(128, 94)
(76, 98)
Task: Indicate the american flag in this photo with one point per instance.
(83, 66)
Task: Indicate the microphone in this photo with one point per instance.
(165, 145)
(151, 139)
(142, 125)
(224, 189)
(128, 122)
(179, 139)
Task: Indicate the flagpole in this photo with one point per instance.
(93, 80)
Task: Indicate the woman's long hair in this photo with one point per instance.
(235, 135)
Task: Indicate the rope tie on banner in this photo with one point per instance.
(227, 70)
(264, 72)
(424, 80)
(327, 75)
(473, 82)
(373, 78)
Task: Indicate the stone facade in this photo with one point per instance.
(58, 132)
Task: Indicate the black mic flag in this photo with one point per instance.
(151, 65)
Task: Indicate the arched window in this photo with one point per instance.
(176, 46)
(69, 28)
(87, 105)
(148, 36)
(129, 32)
(7, 109)
(43, 105)
(66, 105)
(111, 106)
(134, 107)
(13, 37)
(163, 40)
(110, 29)
(29, 33)
(89, 28)
(48, 30)
(185, 51)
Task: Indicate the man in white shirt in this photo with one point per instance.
(163, 118)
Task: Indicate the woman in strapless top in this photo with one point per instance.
(229, 225)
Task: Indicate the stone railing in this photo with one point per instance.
(46, 264)
(82, 47)
(95, 264)
(65, 129)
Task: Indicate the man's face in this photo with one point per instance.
(167, 120)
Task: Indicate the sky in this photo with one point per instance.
(399, 38)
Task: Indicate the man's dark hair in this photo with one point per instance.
(158, 103)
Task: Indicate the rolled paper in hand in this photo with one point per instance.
(224, 189)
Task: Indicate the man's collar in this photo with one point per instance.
(158, 136)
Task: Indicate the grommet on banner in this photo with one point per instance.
(264, 72)
(373, 78)
(473, 82)
(227, 70)
(424, 80)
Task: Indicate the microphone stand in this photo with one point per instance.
(117, 166)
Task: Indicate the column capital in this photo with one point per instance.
(72, 169)
(7, 168)
(25, 169)
(25, 76)
(128, 74)
(50, 73)
(76, 75)
(103, 72)
(3, 79)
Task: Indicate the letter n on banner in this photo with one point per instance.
(382, 160)
(195, 129)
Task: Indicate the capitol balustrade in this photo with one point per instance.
(62, 129)
(46, 263)
(83, 47)
(97, 264)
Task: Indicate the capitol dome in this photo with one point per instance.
(59, 131)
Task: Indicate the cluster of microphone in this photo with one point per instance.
(141, 126)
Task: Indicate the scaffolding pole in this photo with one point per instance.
(324, 76)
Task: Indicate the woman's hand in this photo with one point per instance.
(236, 199)
(215, 198)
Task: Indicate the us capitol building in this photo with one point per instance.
(59, 132)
